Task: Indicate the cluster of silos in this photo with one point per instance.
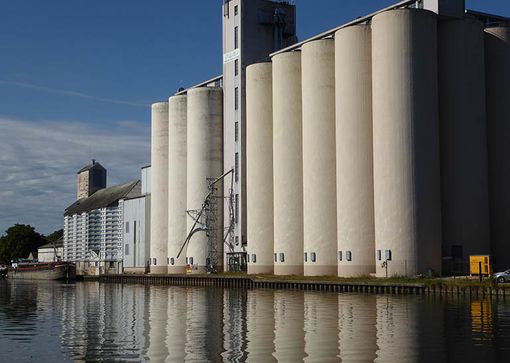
(187, 153)
(384, 149)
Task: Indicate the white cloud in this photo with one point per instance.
(39, 161)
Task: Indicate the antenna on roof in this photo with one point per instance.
(93, 161)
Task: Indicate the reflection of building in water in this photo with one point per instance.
(481, 317)
(321, 327)
(289, 331)
(176, 323)
(203, 324)
(102, 320)
(396, 329)
(158, 309)
(234, 324)
(260, 325)
(356, 333)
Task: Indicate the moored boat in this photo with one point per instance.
(43, 271)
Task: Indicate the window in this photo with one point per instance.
(127, 227)
(236, 36)
(191, 260)
(186, 260)
(126, 249)
(154, 261)
(172, 261)
(237, 240)
(339, 255)
(111, 264)
(282, 257)
(348, 256)
(248, 258)
(236, 98)
(388, 255)
(167, 260)
(275, 258)
(236, 67)
(306, 257)
(379, 255)
(237, 208)
(313, 257)
(236, 131)
(236, 10)
(254, 258)
(236, 167)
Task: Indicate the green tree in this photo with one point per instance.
(18, 241)
(55, 236)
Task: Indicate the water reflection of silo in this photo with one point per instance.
(176, 323)
(234, 325)
(321, 327)
(260, 325)
(289, 326)
(203, 324)
(158, 306)
(356, 334)
(396, 329)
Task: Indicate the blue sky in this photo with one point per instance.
(77, 76)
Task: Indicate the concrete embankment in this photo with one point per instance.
(458, 287)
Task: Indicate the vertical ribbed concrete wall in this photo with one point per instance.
(319, 166)
(406, 142)
(177, 169)
(497, 62)
(204, 160)
(354, 161)
(462, 119)
(259, 167)
(288, 163)
(159, 188)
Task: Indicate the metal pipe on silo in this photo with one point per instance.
(288, 163)
(204, 162)
(354, 160)
(462, 120)
(319, 165)
(497, 61)
(159, 188)
(407, 200)
(259, 167)
(177, 155)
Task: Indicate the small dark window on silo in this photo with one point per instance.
(254, 258)
(379, 255)
(172, 261)
(388, 255)
(191, 260)
(154, 261)
(236, 37)
(236, 10)
(275, 258)
(282, 257)
(306, 257)
(236, 98)
(348, 255)
(313, 257)
(236, 67)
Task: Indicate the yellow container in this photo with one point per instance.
(483, 261)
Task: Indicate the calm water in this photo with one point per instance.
(90, 321)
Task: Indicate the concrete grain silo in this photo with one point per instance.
(462, 120)
(354, 161)
(497, 62)
(177, 169)
(319, 166)
(288, 164)
(406, 143)
(159, 188)
(204, 161)
(259, 171)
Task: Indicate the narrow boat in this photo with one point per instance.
(43, 271)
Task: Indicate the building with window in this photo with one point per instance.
(93, 224)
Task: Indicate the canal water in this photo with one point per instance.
(89, 321)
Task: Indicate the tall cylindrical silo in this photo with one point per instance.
(259, 167)
(319, 165)
(407, 200)
(462, 120)
(177, 155)
(204, 163)
(159, 188)
(354, 160)
(288, 164)
(497, 60)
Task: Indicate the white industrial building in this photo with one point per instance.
(377, 147)
(94, 223)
